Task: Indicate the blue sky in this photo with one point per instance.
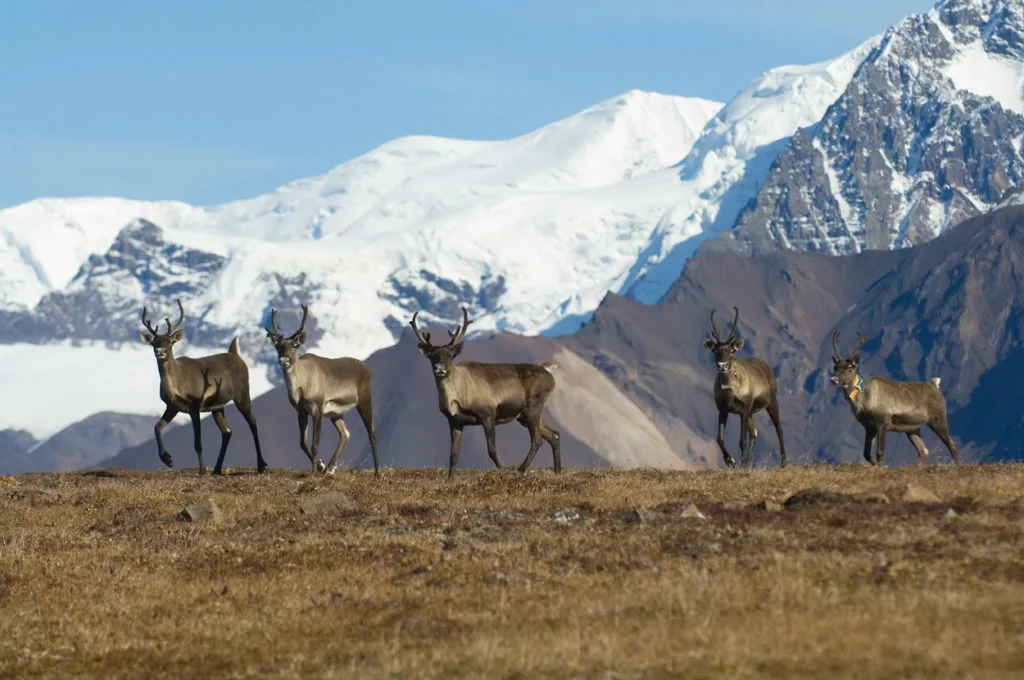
(210, 101)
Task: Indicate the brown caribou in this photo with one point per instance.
(742, 386)
(318, 387)
(881, 405)
(197, 385)
(486, 394)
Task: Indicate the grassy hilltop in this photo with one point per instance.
(591, 574)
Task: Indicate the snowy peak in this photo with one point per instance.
(927, 134)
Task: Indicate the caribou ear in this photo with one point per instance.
(736, 344)
(709, 344)
(146, 338)
(301, 338)
(423, 349)
(177, 335)
(456, 349)
(855, 359)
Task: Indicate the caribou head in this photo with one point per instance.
(163, 342)
(844, 369)
(724, 351)
(287, 346)
(441, 356)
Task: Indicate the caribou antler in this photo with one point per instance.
(735, 320)
(181, 318)
(302, 325)
(424, 338)
(170, 327)
(856, 350)
(714, 329)
(273, 329)
(836, 354)
(460, 330)
(149, 326)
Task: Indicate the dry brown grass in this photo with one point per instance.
(100, 578)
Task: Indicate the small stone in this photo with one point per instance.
(202, 513)
(812, 496)
(768, 505)
(326, 503)
(634, 516)
(951, 514)
(565, 516)
(919, 494)
(692, 512)
(871, 496)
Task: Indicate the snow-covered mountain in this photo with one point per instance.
(927, 134)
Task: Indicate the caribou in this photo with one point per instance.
(742, 386)
(319, 387)
(199, 385)
(882, 405)
(489, 394)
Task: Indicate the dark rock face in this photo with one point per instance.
(903, 154)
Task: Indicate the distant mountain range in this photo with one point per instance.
(885, 147)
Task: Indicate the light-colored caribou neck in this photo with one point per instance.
(293, 378)
(168, 368)
(733, 377)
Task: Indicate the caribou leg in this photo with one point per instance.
(196, 431)
(456, 432)
(880, 453)
(366, 414)
(922, 450)
(941, 429)
(245, 407)
(552, 437)
(304, 437)
(723, 416)
(225, 437)
(487, 422)
(748, 453)
(773, 413)
(532, 423)
(343, 436)
(158, 431)
(869, 436)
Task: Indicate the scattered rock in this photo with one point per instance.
(919, 494)
(692, 512)
(951, 514)
(202, 513)
(635, 516)
(769, 505)
(870, 496)
(326, 503)
(735, 505)
(565, 516)
(812, 496)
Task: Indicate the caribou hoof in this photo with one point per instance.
(331, 470)
(318, 465)
(165, 458)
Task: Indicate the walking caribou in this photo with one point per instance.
(198, 385)
(474, 393)
(881, 405)
(319, 387)
(743, 386)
